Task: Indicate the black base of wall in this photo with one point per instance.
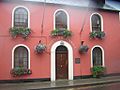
(83, 77)
(90, 76)
(25, 80)
(48, 79)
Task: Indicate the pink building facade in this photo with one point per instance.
(62, 58)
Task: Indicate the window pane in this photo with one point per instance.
(97, 56)
(61, 20)
(21, 57)
(96, 23)
(21, 15)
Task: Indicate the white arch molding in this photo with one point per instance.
(13, 54)
(103, 61)
(101, 18)
(68, 25)
(53, 59)
(27, 11)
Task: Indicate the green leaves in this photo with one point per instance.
(97, 34)
(65, 33)
(24, 32)
(40, 48)
(19, 71)
(97, 71)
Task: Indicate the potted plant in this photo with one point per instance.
(40, 48)
(61, 32)
(19, 71)
(24, 32)
(83, 48)
(97, 71)
(97, 34)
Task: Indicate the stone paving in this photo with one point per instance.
(59, 84)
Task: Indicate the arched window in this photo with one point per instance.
(96, 22)
(97, 57)
(20, 17)
(61, 20)
(21, 57)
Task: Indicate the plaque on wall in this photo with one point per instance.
(77, 60)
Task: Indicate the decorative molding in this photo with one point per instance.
(68, 22)
(100, 18)
(53, 59)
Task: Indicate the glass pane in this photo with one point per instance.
(96, 23)
(21, 57)
(61, 20)
(21, 15)
(97, 56)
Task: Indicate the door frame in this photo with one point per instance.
(53, 59)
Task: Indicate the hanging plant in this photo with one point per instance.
(64, 32)
(40, 48)
(24, 32)
(19, 71)
(83, 48)
(97, 34)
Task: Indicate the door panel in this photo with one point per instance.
(61, 65)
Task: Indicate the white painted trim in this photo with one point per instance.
(119, 16)
(27, 11)
(103, 62)
(13, 54)
(100, 18)
(53, 60)
(68, 22)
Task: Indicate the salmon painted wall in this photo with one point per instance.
(40, 64)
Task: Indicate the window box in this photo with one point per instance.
(19, 71)
(97, 34)
(40, 48)
(24, 32)
(97, 71)
(61, 32)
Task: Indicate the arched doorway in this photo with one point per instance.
(53, 59)
(61, 62)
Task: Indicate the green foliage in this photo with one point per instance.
(24, 32)
(19, 71)
(97, 34)
(65, 33)
(97, 71)
(40, 48)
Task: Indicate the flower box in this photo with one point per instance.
(24, 32)
(19, 71)
(97, 34)
(61, 32)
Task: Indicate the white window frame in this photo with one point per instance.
(68, 22)
(13, 54)
(101, 18)
(103, 61)
(14, 12)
